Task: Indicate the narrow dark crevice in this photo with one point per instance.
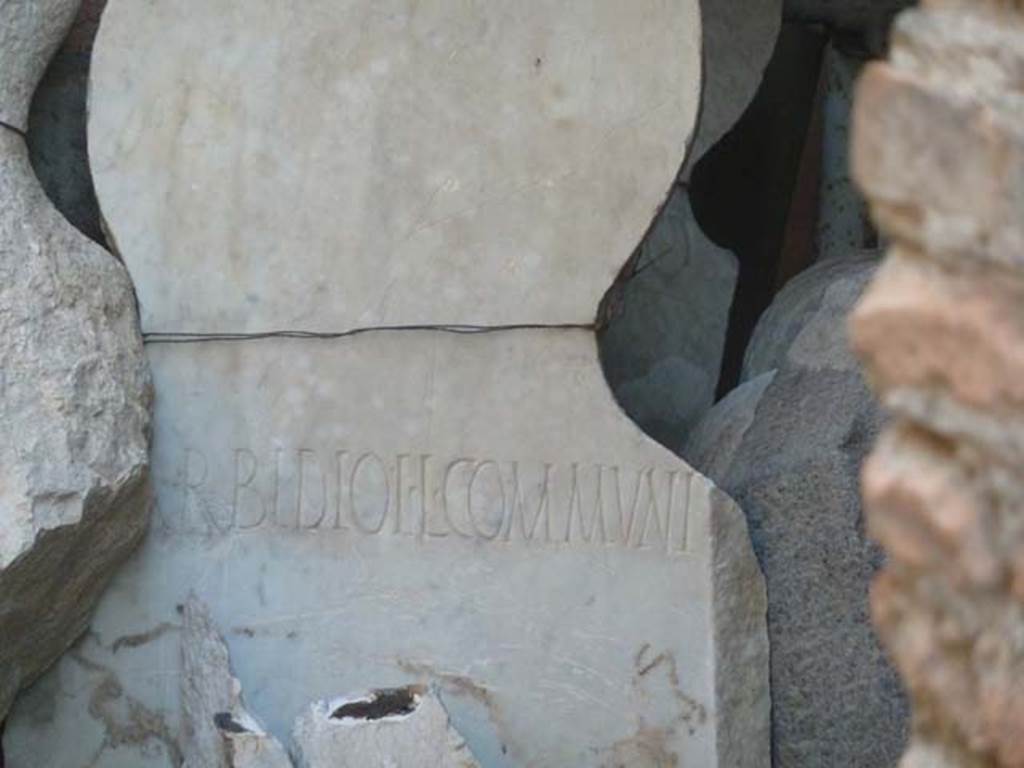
(12, 129)
(56, 135)
(742, 191)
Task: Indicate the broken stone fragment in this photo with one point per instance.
(406, 727)
(217, 731)
(75, 392)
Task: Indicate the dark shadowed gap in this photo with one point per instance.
(742, 190)
(57, 128)
(384, 703)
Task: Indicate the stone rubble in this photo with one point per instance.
(75, 391)
(938, 149)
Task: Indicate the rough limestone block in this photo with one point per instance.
(406, 727)
(30, 33)
(788, 446)
(662, 348)
(472, 513)
(739, 37)
(218, 731)
(74, 394)
(501, 146)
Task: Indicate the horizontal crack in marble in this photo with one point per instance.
(198, 338)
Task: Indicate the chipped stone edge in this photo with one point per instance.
(741, 658)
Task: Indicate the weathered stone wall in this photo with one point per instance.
(939, 148)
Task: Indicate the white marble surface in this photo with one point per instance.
(364, 513)
(469, 512)
(338, 163)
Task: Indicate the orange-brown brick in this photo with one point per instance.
(945, 606)
(927, 332)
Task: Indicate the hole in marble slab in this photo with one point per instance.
(387, 702)
(225, 722)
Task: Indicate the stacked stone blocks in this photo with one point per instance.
(939, 150)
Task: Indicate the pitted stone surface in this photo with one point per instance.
(430, 162)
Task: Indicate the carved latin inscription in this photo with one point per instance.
(363, 493)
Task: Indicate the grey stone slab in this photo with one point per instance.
(466, 512)
(429, 162)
